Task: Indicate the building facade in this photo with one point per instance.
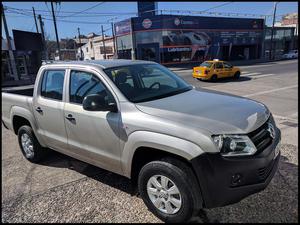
(289, 20)
(94, 48)
(283, 41)
(173, 39)
(27, 52)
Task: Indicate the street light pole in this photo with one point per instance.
(271, 56)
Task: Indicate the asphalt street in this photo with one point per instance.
(63, 189)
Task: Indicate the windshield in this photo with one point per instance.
(146, 82)
(206, 64)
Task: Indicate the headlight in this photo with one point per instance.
(234, 145)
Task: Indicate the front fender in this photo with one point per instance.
(27, 114)
(171, 144)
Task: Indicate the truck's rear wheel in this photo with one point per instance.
(30, 147)
(170, 190)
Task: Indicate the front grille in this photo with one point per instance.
(261, 136)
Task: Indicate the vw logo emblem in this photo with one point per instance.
(271, 130)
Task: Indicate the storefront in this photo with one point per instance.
(283, 41)
(171, 39)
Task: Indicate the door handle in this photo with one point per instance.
(70, 117)
(38, 109)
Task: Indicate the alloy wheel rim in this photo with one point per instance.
(164, 194)
(27, 145)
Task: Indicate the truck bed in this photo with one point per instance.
(15, 100)
(24, 91)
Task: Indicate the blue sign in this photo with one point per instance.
(197, 22)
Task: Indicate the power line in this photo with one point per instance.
(85, 9)
(65, 21)
(72, 12)
(218, 6)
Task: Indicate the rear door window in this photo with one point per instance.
(219, 65)
(52, 84)
(227, 65)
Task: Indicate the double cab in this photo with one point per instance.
(184, 149)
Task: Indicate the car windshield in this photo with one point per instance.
(146, 82)
(206, 64)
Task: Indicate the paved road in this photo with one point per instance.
(63, 189)
(275, 84)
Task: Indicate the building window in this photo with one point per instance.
(108, 50)
(87, 49)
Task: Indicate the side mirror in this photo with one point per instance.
(97, 102)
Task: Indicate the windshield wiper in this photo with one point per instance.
(164, 95)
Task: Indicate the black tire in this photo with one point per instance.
(237, 75)
(199, 79)
(38, 151)
(183, 177)
(214, 78)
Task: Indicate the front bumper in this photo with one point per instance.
(225, 181)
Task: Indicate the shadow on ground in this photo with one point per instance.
(228, 79)
(261, 207)
(56, 159)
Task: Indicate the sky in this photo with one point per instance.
(102, 13)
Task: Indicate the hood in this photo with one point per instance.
(216, 112)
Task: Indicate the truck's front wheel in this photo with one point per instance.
(30, 147)
(170, 190)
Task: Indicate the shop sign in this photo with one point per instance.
(179, 49)
(147, 23)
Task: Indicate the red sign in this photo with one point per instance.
(147, 23)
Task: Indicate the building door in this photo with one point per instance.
(148, 52)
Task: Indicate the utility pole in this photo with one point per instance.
(45, 54)
(113, 34)
(36, 26)
(262, 54)
(80, 43)
(103, 42)
(12, 61)
(272, 32)
(132, 41)
(57, 40)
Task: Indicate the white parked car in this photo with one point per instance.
(293, 54)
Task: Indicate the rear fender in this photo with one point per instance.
(27, 114)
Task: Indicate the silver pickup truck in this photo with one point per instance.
(185, 149)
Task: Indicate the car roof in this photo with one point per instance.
(212, 61)
(104, 64)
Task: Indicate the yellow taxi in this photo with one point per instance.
(214, 69)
